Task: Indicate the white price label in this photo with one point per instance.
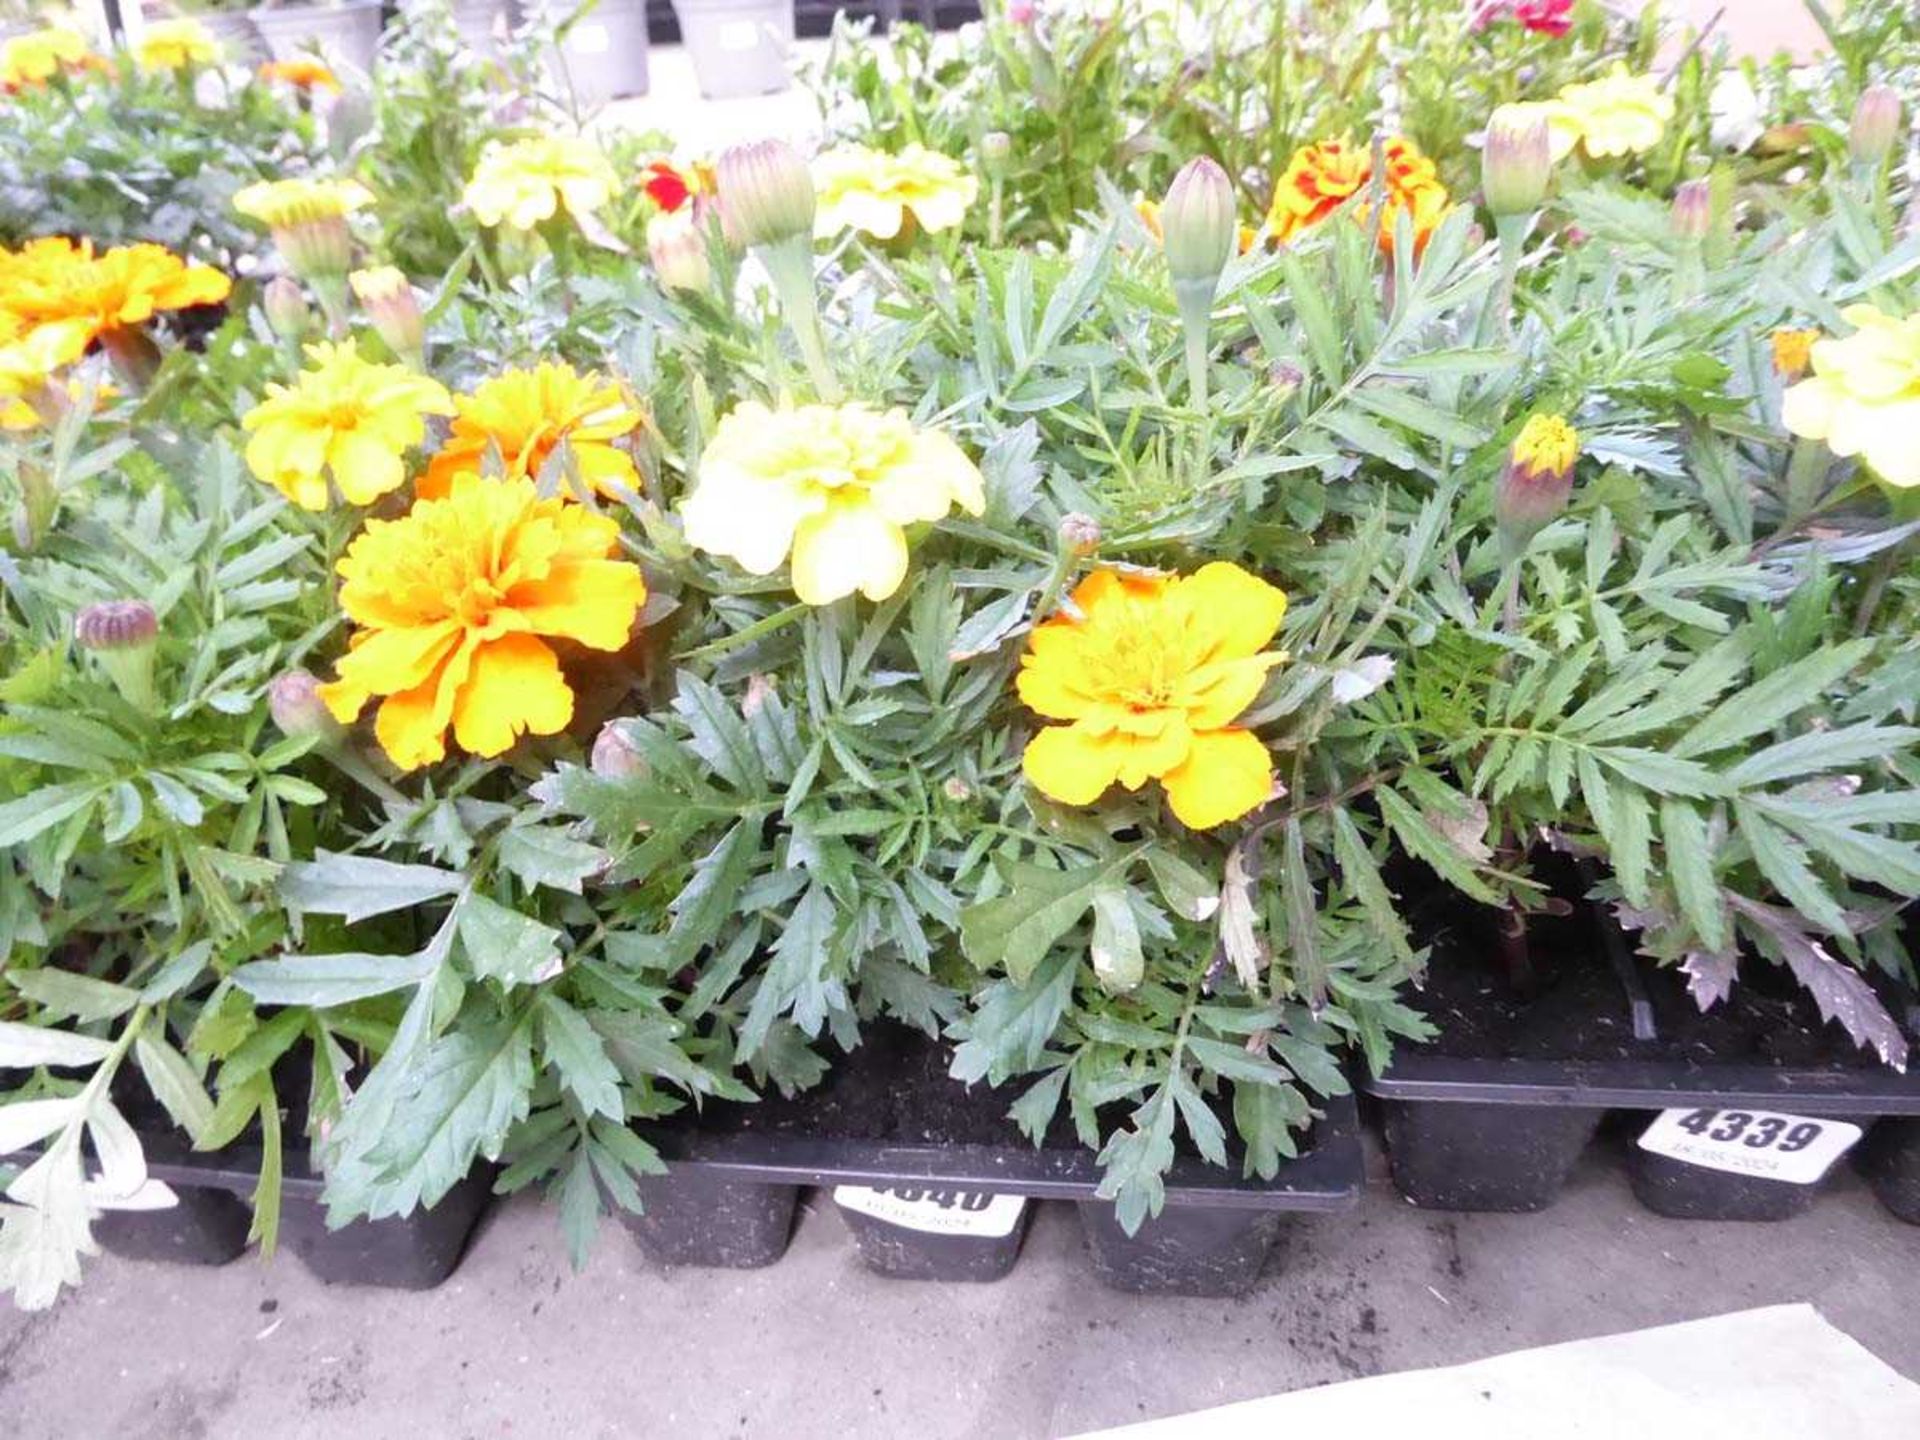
(935, 1210)
(1795, 1148)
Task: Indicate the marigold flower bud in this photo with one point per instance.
(393, 308)
(1792, 351)
(1537, 484)
(956, 789)
(1692, 211)
(677, 245)
(996, 148)
(1285, 377)
(1022, 12)
(766, 192)
(615, 756)
(1079, 534)
(294, 702)
(1876, 125)
(1516, 162)
(116, 625)
(288, 313)
(1197, 223)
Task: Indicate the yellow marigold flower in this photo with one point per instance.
(31, 355)
(36, 58)
(1320, 178)
(57, 280)
(303, 72)
(1618, 114)
(1150, 672)
(526, 182)
(525, 414)
(1792, 351)
(282, 204)
(1863, 397)
(345, 417)
(834, 486)
(453, 599)
(176, 45)
(870, 190)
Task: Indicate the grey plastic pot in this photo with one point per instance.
(241, 42)
(739, 47)
(604, 54)
(346, 34)
(479, 24)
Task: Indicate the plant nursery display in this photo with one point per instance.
(1194, 558)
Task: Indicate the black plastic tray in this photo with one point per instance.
(1491, 1134)
(729, 1199)
(210, 1224)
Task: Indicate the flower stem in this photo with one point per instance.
(1511, 231)
(1195, 300)
(790, 266)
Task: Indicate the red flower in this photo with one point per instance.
(670, 186)
(1545, 17)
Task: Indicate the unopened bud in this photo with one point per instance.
(1198, 227)
(1537, 484)
(677, 245)
(615, 756)
(394, 309)
(1516, 163)
(293, 699)
(956, 790)
(1692, 211)
(288, 314)
(1079, 534)
(766, 193)
(1285, 377)
(1876, 125)
(116, 625)
(120, 634)
(996, 148)
(1022, 12)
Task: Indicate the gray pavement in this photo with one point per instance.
(516, 1345)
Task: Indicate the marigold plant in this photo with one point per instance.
(1149, 672)
(1863, 397)
(347, 420)
(834, 487)
(58, 280)
(455, 602)
(1321, 178)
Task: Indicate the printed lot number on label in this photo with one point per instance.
(935, 1210)
(1797, 1149)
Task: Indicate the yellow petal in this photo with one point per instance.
(1214, 695)
(849, 546)
(592, 601)
(515, 688)
(1065, 763)
(1232, 614)
(1227, 773)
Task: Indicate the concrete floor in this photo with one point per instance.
(516, 1345)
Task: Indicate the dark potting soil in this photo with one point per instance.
(1579, 1009)
(895, 1089)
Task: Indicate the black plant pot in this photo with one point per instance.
(1681, 1191)
(1890, 1160)
(1472, 1156)
(1202, 1250)
(695, 1217)
(207, 1227)
(408, 1252)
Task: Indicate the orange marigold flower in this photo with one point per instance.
(1150, 672)
(453, 601)
(525, 414)
(1320, 178)
(302, 73)
(61, 280)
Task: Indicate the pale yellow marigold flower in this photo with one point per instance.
(1863, 397)
(453, 600)
(872, 191)
(1149, 674)
(833, 486)
(1618, 114)
(176, 45)
(345, 418)
(36, 58)
(526, 182)
(524, 415)
(31, 355)
(281, 204)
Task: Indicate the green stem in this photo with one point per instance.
(790, 265)
(1195, 299)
